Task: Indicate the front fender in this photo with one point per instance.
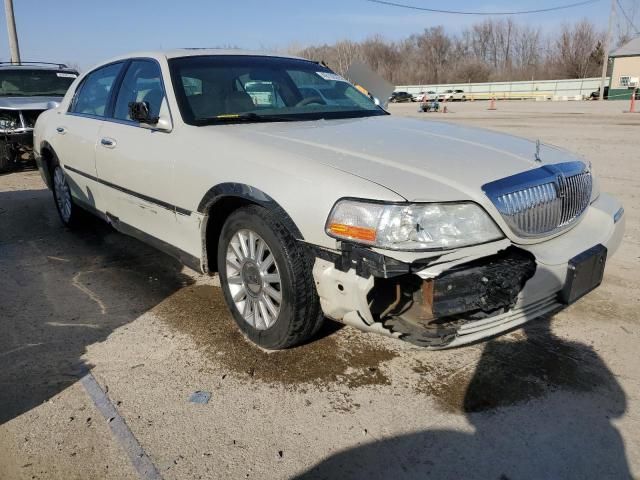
(251, 195)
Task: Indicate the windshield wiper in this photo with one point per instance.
(247, 117)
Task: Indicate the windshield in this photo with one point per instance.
(217, 88)
(27, 83)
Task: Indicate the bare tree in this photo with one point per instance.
(576, 50)
(628, 20)
(489, 50)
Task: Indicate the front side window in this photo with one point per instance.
(35, 82)
(221, 88)
(93, 94)
(141, 83)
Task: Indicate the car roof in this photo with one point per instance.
(36, 66)
(196, 52)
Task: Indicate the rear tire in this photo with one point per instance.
(267, 281)
(70, 214)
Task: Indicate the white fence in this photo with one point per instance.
(535, 89)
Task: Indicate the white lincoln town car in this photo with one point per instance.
(314, 205)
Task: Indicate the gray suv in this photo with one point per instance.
(26, 90)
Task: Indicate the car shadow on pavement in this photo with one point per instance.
(61, 291)
(539, 408)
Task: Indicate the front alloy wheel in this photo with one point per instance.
(266, 278)
(254, 279)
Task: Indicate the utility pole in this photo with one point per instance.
(607, 44)
(11, 30)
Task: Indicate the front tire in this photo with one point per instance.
(267, 281)
(70, 214)
(7, 157)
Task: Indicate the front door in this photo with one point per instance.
(131, 160)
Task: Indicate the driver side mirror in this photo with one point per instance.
(140, 112)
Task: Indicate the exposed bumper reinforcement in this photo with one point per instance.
(473, 331)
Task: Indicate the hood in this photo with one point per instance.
(419, 160)
(27, 103)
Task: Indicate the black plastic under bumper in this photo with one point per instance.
(429, 312)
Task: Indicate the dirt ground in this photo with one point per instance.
(559, 398)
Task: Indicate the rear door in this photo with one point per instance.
(133, 161)
(77, 133)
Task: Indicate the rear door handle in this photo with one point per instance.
(61, 130)
(108, 142)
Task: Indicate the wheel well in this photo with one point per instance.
(216, 216)
(48, 161)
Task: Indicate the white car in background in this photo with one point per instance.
(453, 96)
(314, 205)
(428, 96)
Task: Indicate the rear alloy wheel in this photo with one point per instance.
(68, 211)
(266, 279)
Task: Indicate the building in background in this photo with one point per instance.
(626, 70)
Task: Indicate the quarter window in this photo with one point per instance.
(93, 94)
(141, 83)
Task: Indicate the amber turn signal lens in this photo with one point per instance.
(356, 233)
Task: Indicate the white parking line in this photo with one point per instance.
(141, 462)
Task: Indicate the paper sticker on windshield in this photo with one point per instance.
(66, 75)
(334, 77)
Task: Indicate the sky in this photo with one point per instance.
(85, 32)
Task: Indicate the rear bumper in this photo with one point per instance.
(346, 296)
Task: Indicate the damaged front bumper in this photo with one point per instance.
(462, 296)
(17, 145)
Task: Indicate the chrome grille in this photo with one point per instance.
(542, 201)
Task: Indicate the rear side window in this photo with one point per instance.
(93, 94)
(141, 83)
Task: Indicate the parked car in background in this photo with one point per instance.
(397, 97)
(425, 96)
(26, 90)
(312, 206)
(453, 96)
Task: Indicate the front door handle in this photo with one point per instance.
(108, 142)
(61, 130)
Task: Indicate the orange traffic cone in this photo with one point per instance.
(632, 107)
(492, 104)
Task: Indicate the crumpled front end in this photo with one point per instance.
(16, 136)
(459, 297)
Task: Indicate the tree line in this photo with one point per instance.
(491, 50)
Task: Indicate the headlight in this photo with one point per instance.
(417, 226)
